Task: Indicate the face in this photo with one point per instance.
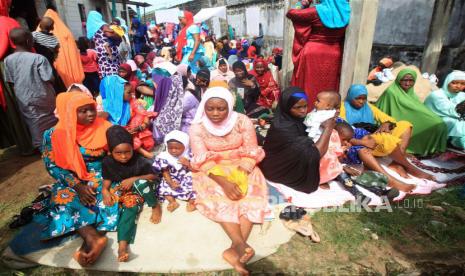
(122, 73)
(122, 153)
(175, 148)
(359, 102)
(407, 82)
(182, 21)
(260, 68)
(201, 82)
(323, 104)
(345, 135)
(299, 109)
(127, 93)
(223, 68)
(456, 86)
(239, 73)
(216, 110)
(139, 60)
(86, 114)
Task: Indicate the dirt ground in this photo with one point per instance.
(360, 243)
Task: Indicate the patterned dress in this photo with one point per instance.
(108, 65)
(66, 211)
(238, 148)
(182, 176)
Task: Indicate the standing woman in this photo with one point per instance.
(400, 102)
(225, 141)
(317, 49)
(444, 103)
(189, 49)
(139, 34)
(106, 44)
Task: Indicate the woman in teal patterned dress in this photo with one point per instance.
(72, 152)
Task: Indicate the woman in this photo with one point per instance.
(269, 89)
(72, 152)
(106, 44)
(245, 86)
(444, 103)
(224, 140)
(391, 137)
(201, 83)
(189, 102)
(222, 72)
(189, 48)
(317, 49)
(139, 34)
(400, 102)
(115, 99)
(210, 52)
(291, 157)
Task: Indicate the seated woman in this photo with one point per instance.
(222, 71)
(291, 157)
(269, 89)
(225, 141)
(72, 152)
(400, 102)
(246, 87)
(444, 103)
(391, 138)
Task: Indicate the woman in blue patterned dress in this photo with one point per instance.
(72, 152)
(189, 48)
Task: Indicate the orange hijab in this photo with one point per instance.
(69, 135)
(182, 36)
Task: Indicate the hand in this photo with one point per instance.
(329, 124)
(351, 171)
(107, 198)
(248, 83)
(191, 57)
(86, 194)
(385, 127)
(174, 184)
(230, 189)
(185, 162)
(133, 130)
(127, 183)
(368, 142)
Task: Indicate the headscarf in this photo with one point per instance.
(116, 171)
(164, 84)
(205, 74)
(453, 76)
(240, 65)
(291, 157)
(130, 76)
(227, 125)
(232, 59)
(182, 36)
(264, 79)
(69, 135)
(219, 75)
(141, 29)
(94, 23)
(334, 13)
(354, 115)
(112, 92)
(7, 24)
(387, 62)
(182, 69)
(83, 88)
(180, 137)
(122, 23)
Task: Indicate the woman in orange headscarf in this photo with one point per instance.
(72, 152)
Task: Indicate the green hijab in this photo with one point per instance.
(429, 131)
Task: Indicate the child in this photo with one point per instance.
(176, 169)
(325, 108)
(303, 4)
(138, 127)
(144, 70)
(31, 76)
(45, 42)
(135, 180)
(115, 93)
(90, 66)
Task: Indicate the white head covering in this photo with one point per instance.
(227, 125)
(182, 138)
(133, 64)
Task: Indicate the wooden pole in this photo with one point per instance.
(288, 66)
(358, 44)
(125, 8)
(437, 34)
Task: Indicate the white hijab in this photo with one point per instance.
(227, 125)
(182, 138)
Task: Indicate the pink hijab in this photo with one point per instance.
(227, 125)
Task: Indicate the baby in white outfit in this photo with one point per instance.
(325, 108)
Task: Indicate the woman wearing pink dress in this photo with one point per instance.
(223, 140)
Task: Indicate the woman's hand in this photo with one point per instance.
(191, 57)
(248, 83)
(107, 198)
(384, 128)
(127, 183)
(329, 124)
(86, 194)
(231, 190)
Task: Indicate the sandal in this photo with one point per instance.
(292, 212)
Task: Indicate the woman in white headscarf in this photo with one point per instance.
(222, 71)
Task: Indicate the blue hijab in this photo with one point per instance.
(112, 91)
(362, 115)
(334, 13)
(141, 29)
(94, 23)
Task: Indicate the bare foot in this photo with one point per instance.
(190, 207)
(96, 249)
(173, 205)
(156, 214)
(421, 174)
(81, 255)
(394, 183)
(230, 255)
(123, 254)
(399, 169)
(245, 252)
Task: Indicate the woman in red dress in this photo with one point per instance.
(318, 45)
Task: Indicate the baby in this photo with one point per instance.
(325, 108)
(139, 125)
(127, 179)
(176, 170)
(303, 4)
(45, 42)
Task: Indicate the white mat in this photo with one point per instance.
(182, 242)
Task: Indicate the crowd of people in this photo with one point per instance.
(175, 116)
